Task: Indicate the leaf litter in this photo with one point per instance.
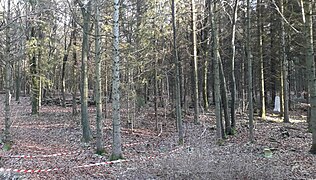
(55, 131)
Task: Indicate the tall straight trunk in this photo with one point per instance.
(7, 102)
(228, 129)
(213, 15)
(156, 93)
(86, 13)
(74, 70)
(249, 59)
(310, 62)
(195, 65)
(284, 70)
(34, 78)
(307, 71)
(233, 79)
(63, 69)
(98, 85)
(177, 74)
(260, 47)
(116, 120)
(18, 80)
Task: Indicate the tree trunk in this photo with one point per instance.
(7, 102)
(34, 78)
(285, 71)
(86, 13)
(117, 142)
(260, 46)
(98, 85)
(233, 79)
(213, 15)
(224, 99)
(195, 65)
(249, 59)
(74, 70)
(63, 69)
(18, 80)
(311, 69)
(177, 74)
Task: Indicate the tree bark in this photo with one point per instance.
(260, 47)
(86, 13)
(117, 142)
(249, 59)
(213, 15)
(311, 72)
(285, 71)
(98, 80)
(8, 73)
(177, 75)
(233, 79)
(195, 65)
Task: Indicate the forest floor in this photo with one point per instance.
(49, 146)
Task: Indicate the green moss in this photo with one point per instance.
(7, 146)
(116, 157)
(101, 152)
(181, 142)
(220, 142)
(233, 131)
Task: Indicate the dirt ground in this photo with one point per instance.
(49, 146)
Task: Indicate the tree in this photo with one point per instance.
(177, 74)
(260, 47)
(249, 60)
(233, 79)
(215, 49)
(195, 65)
(35, 82)
(116, 121)
(310, 65)
(284, 70)
(98, 85)
(86, 13)
(8, 73)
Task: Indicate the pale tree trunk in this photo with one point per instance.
(213, 15)
(117, 141)
(311, 72)
(98, 85)
(177, 74)
(233, 79)
(7, 102)
(249, 59)
(284, 70)
(195, 65)
(86, 13)
(260, 47)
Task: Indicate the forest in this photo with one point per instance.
(157, 89)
